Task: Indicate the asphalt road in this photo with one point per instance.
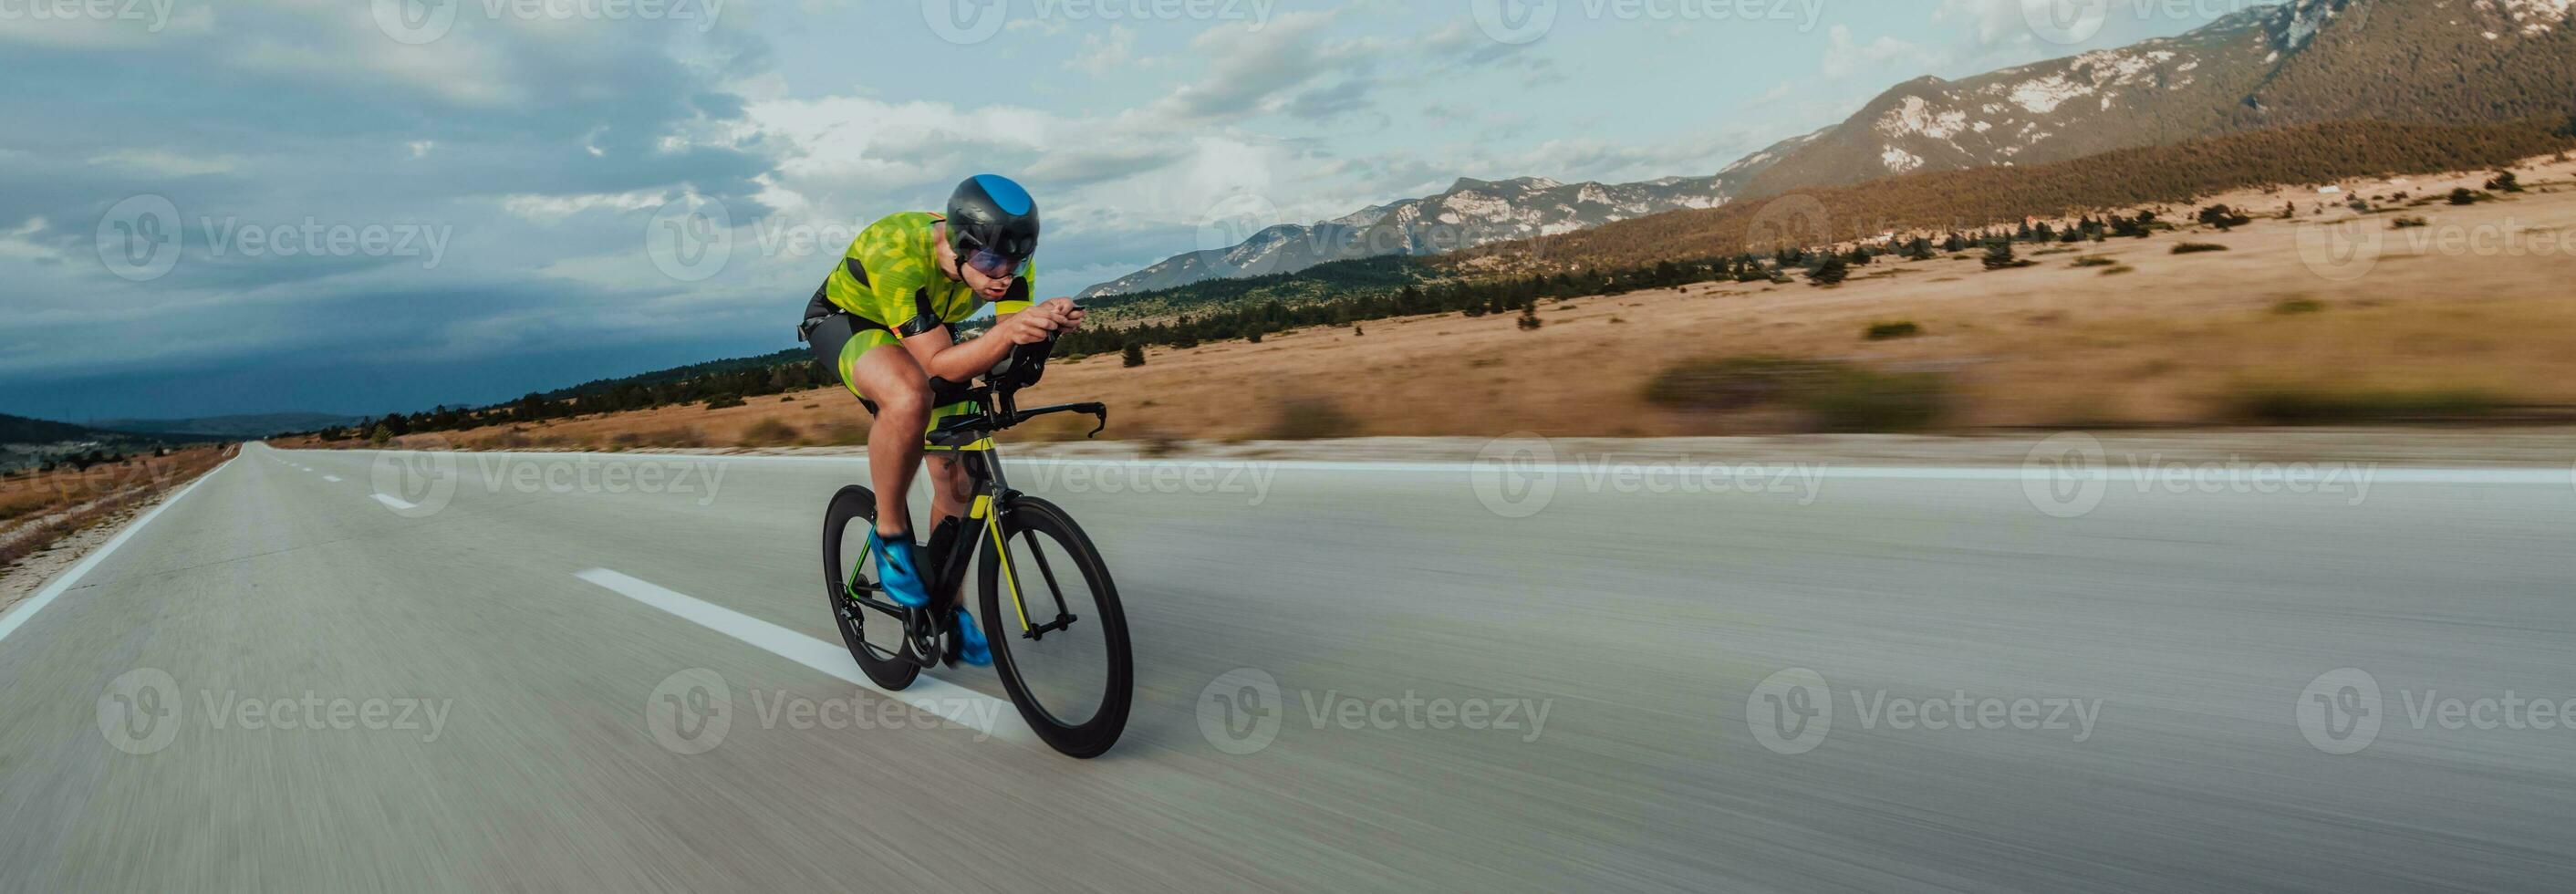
(357, 671)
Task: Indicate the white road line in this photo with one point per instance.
(2548, 476)
(397, 505)
(335, 479)
(968, 708)
(9, 623)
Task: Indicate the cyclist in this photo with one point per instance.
(885, 322)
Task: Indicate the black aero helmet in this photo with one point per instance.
(992, 216)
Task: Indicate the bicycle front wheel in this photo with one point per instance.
(1059, 637)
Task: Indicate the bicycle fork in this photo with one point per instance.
(994, 519)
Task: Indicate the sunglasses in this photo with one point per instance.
(993, 264)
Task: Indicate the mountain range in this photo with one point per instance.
(1470, 213)
(2298, 62)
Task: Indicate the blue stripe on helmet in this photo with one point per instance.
(1008, 195)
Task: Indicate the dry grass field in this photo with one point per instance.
(2469, 314)
(39, 508)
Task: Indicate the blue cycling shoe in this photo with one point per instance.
(899, 570)
(971, 645)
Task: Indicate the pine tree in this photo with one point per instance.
(1999, 255)
(1529, 316)
(1133, 356)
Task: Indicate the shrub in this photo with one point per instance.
(769, 433)
(1999, 256)
(2190, 248)
(2464, 196)
(1829, 272)
(2505, 181)
(2294, 306)
(2307, 405)
(2115, 271)
(2095, 261)
(1864, 401)
(1835, 397)
(2223, 217)
(1886, 331)
(1306, 417)
(724, 401)
(2408, 223)
(1132, 356)
(1529, 317)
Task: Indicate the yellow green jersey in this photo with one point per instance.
(890, 276)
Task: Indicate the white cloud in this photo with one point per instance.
(164, 163)
(1845, 57)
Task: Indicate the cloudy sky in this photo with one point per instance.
(352, 206)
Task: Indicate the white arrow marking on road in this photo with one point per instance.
(957, 703)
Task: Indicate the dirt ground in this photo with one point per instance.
(2477, 300)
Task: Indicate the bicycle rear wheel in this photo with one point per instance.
(1072, 683)
(875, 637)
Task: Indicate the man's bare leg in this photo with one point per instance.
(894, 381)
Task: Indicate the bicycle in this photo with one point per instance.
(997, 516)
